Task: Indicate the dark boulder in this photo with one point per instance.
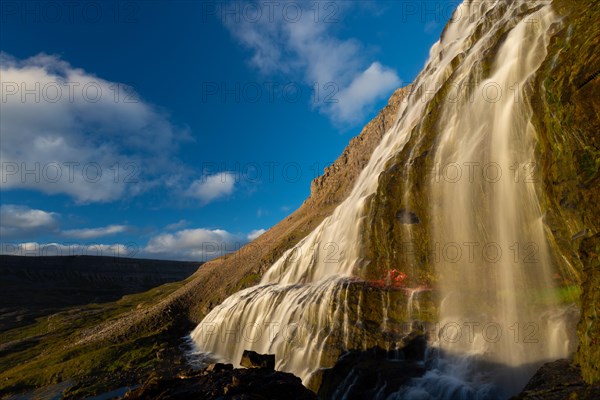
(252, 359)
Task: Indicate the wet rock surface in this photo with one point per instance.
(365, 374)
(558, 380)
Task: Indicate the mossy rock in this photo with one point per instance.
(567, 109)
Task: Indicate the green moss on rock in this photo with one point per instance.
(567, 109)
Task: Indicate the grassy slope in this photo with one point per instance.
(39, 354)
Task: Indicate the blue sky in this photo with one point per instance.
(183, 129)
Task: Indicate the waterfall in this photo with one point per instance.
(490, 333)
(494, 213)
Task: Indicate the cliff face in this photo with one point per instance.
(337, 180)
(565, 97)
(568, 117)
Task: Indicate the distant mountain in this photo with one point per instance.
(36, 286)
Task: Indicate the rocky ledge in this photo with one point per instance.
(221, 381)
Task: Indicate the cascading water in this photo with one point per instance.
(491, 334)
(494, 215)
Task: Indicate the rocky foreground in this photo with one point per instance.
(219, 381)
(356, 375)
(225, 382)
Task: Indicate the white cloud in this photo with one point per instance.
(255, 233)
(69, 249)
(20, 221)
(91, 233)
(194, 244)
(188, 244)
(366, 88)
(78, 134)
(212, 187)
(310, 51)
(182, 223)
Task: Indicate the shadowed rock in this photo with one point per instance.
(365, 374)
(558, 380)
(251, 359)
(224, 382)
